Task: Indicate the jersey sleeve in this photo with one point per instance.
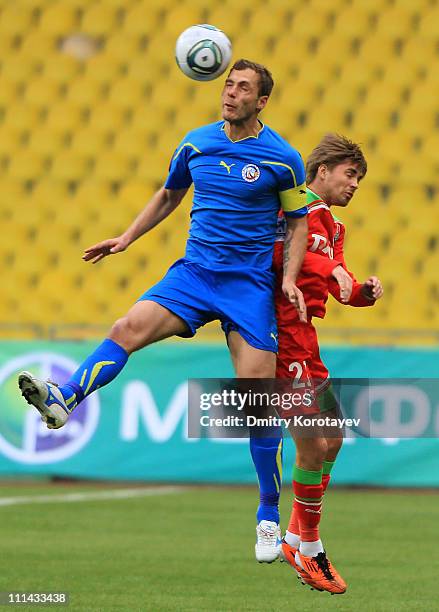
(179, 176)
(292, 188)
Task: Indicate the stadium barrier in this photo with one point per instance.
(136, 428)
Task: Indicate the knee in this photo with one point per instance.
(312, 453)
(333, 446)
(124, 334)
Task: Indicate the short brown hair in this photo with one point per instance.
(266, 82)
(332, 150)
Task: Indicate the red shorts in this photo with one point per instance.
(298, 348)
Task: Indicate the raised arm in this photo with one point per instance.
(162, 203)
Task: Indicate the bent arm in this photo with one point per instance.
(295, 246)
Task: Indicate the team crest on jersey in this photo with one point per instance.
(250, 173)
(337, 232)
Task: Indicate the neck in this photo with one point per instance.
(244, 129)
(319, 190)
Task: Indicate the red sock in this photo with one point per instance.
(325, 481)
(308, 505)
(293, 525)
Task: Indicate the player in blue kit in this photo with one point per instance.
(243, 173)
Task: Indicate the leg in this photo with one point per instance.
(145, 322)
(265, 449)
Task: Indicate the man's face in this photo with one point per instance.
(240, 97)
(341, 182)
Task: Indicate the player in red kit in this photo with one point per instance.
(334, 170)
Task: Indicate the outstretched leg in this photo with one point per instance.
(146, 322)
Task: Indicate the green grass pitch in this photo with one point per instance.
(193, 550)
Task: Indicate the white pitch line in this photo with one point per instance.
(94, 496)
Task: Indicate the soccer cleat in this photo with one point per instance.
(288, 554)
(268, 541)
(46, 398)
(322, 573)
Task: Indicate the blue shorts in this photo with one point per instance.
(242, 299)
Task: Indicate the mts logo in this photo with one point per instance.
(321, 244)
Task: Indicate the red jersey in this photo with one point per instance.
(324, 253)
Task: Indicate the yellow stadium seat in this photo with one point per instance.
(26, 165)
(131, 142)
(396, 22)
(417, 122)
(148, 120)
(376, 53)
(64, 117)
(428, 24)
(124, 46)
(354, 20)
(282, 59)
(16, 18)
(61, 68)
(49, 196)
(112, 166)
(419, 52)
(134, 194)
(88, 142)
(180, 17)
(60, 18)
(38, 45)
(85, 91)
(11, 139)
(103, 68)
(42, 92)
(127, 93)
(70, 166)
(141, 19)
(22, 116)
(99, 19)
(425, 95)
(46, 142)
(396, 146)
(106, 118)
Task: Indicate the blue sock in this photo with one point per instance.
(96, 371)
(267, 457)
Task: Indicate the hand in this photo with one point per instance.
(344, 282)
(107, 247)
(372, 289)
(295, 296)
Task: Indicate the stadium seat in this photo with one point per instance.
(99, 19)
(60, 18)
(85, 143)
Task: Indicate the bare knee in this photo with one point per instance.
(334, 445)
(311, 453)
(125, 334)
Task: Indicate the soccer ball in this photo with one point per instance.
(203, 52)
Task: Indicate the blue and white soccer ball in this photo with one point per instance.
(203, 52)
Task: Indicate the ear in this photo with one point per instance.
(322, 171)
(262, 103)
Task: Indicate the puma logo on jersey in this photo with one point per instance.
(321, 244)
(223, 163)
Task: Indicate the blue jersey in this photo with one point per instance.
(239, 188)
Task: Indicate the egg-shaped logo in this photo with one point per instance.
(24, 437)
